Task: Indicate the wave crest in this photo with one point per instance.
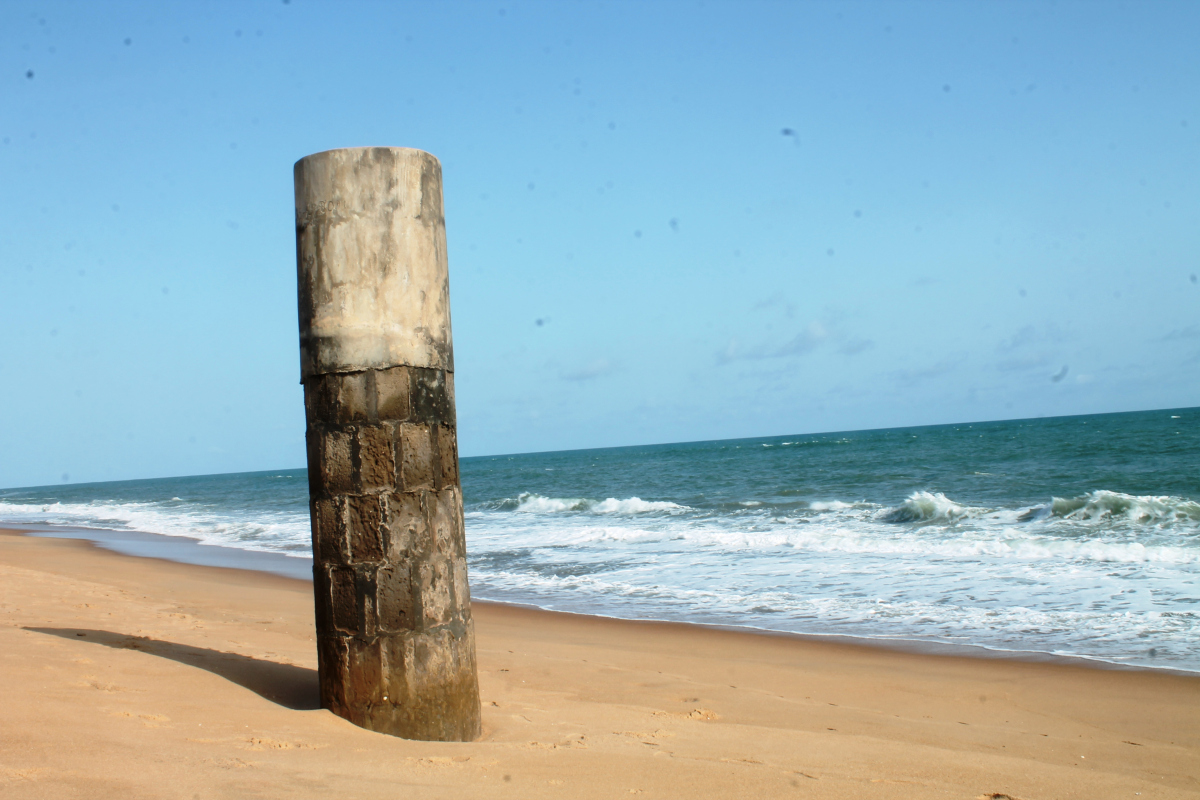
(1106, 506)
(926, 507)
(531, 503)
(830, 505)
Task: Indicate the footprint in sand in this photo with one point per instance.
(658, 734)
(263, 743)
(440, 761)
(149, 720)
(704, 714)
(8, 774)
(230, 763)
(577, 741)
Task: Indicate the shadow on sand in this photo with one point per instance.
(286, 684)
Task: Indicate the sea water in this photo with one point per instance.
(1072, 536)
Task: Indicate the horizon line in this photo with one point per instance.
(630, 446)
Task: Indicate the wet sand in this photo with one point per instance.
(136, 677)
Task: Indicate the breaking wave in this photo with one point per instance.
(1117, 507)
(927, 507)
(529, 503)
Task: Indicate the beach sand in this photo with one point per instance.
(129, 677)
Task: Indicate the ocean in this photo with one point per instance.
(1069, 536)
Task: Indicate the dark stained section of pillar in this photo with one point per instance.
(397, 646)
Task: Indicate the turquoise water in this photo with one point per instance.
(1073, 535)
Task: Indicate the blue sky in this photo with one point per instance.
(666, 221)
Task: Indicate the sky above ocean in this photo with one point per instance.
(666, 221)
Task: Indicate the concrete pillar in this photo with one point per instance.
(395, 640)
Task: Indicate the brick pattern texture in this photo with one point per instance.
(396, 644)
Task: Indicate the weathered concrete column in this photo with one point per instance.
(396, 645)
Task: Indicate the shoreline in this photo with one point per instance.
(176, 549)
(191, 551)
(167, 679)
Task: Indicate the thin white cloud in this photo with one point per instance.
(1190, 332)
(804, 342)
(1022, 364)
(593, 369)
(1032, 347)
(852, 347)
(910, 377)
(813, 336)
(1031, 336)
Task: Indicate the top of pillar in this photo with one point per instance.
(371, 261)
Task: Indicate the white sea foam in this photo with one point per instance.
(268, 531)
(634, 505)
(928, 525)
(1078, 631)
(830, 533)
(831, 505)
(1109, 577)
(537, 504)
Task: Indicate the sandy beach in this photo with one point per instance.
(135, 677)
